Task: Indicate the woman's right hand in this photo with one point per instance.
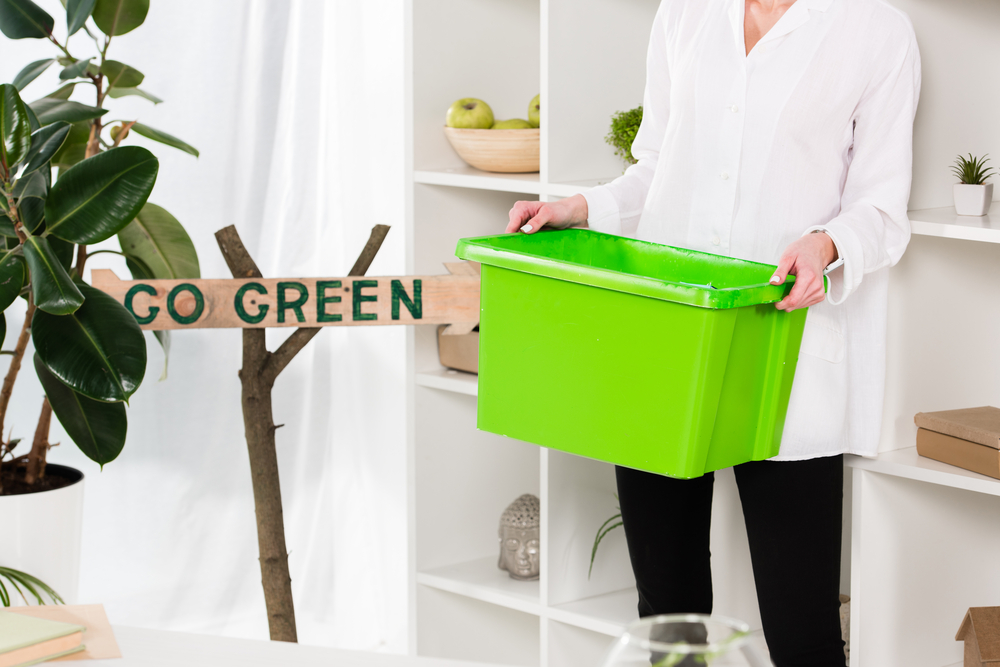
(530, 216)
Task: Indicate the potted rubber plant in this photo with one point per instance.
(973, 195)
(68, 181)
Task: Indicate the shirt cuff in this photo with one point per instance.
(845, 278)
(602, 211)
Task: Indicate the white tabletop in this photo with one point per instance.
(158, 648)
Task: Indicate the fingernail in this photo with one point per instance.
(775, 279)
(526, 228)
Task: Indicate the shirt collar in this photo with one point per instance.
(796, 16)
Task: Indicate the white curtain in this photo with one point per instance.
(297, 108)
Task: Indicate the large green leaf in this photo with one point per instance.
(32, 212)
(63, 250)
(15, 128)
(22, 18)
(164, 138)
(64, 92)
(140, 271)
(7, 226)
(121, 75)
(159, 240)
(77, 13)
(124, 92)
(32, 118)
(117, 17)
(31, 192)
(76, 70)
(99, 350)
(31, 185)
(31, 72)
(94, 199)
(51, 109)
(45, 143)
(52, 288)
(13, 275)
(75, 148)
(97, 428)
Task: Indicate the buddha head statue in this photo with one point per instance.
(519, 534)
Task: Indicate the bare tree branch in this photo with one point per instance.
(371, 248)
(298, 340)
(237, 258)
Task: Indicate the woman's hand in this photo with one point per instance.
(806, 259)
(530, 216)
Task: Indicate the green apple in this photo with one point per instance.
(469, 112)
(535, 111)
(512, 124)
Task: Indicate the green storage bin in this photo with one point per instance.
(643, 355)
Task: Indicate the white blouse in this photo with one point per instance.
(741, 154)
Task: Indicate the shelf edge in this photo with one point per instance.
(609, 628)
(986, 486)
(434, 381)
(481, 593)
(477, 182)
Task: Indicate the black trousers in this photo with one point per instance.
(794, 516)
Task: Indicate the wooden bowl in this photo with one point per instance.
(504, 151)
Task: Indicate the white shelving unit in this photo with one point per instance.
(919, 536)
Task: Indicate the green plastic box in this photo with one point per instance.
(639, 354)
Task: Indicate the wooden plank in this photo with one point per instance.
(295, 302)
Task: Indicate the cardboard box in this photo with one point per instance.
(459, 352)
(981, 425)
(957, 452)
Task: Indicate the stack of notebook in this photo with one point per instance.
(25, 640)
(968, 438)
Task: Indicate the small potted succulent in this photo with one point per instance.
(973, 195)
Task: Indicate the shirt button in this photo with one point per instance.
(725, 175)
(734, 109)
(716, 240)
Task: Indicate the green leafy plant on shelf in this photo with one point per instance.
(624, 126)
(67, 182)
(972, 170)
(614, 522)
(21, 582)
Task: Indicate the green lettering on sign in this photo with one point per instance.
(296, 305)
(416, 307)
(359, 298)
(242, 312)
(322, 299)
(153, 310)
(199, 304)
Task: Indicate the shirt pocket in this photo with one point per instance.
(823, 335)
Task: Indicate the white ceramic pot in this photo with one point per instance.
(973, 199)
(40, 534)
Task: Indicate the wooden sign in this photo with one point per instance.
(295, 302)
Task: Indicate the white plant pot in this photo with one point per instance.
(40, 534)
(973, 199)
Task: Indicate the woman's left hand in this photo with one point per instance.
(806, 259)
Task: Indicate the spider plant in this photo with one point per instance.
(22, 580)
(972, 170)
(606, 527)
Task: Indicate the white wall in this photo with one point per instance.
(297, 108)
(944, 308)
